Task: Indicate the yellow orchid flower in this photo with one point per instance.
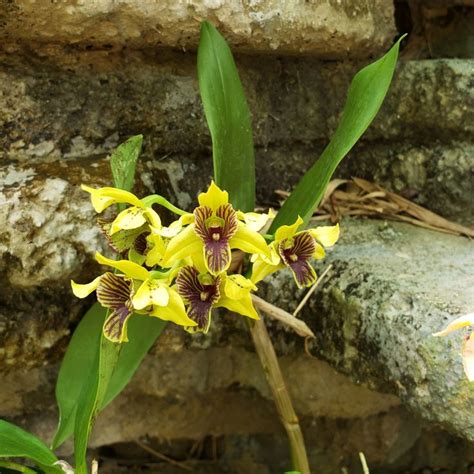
(114, 292)
(133, 217)
(467, 352)
(294, 250)
(202, 292)
(153, 296)
(103, 198)
(215, 231)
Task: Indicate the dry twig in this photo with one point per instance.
(299, 326)
(161, 456)
(281, 396)
(311, 291)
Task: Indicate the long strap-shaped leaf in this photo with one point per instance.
(15, 442)
(366, 94)
(123, 163)
(228, 117)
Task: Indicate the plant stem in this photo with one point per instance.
(281, 396)
(16, 467)
(157, 199)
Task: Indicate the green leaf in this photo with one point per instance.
(366, 94)
(228, 118)
(117, 364)
(123, 162)
(15, 442)
(143, 331)
(91, 399)
(80, 359)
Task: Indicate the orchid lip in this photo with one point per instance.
(215, 229)
(296, 253)
(200, 293)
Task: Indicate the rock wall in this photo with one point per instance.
(77, 78)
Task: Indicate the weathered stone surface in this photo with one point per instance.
(84, 105)
(391, 287)
(327, 29)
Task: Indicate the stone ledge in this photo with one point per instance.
(325, 29)
(391, 287)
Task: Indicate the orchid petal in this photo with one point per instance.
(81, 291)
(103, 197)
(130, 269)
(174, 311)
(155, 254)
(319, 252)
(288, 231)
(256, 221)
(237, 286)
(326, 235)
(115, 326)
(249, 241)
(262, 269)
(151, 292)
(467, 354)
(241, 306)
(185, 244)
(213, 197)
(458, 323)
(130, 218)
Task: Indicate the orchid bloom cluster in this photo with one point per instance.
(181, 272)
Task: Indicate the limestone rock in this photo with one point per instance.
(392, 286)
(327, 29)
(82, 105)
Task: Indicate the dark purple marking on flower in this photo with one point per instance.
(141, 244)
(199, 295)
(215, 230)
(296, 253)
(123, 240)
(115, 292)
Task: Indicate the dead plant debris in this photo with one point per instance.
(359, 197)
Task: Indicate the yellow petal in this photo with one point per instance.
(152, 217)
(319, 252)
(130, 269)
(155, 254)
(104, 197)
(174, 311)
(237, 286)
(468, 357)
(99, 203)
(213, 197)
(256, 221)
(130, 218)
(249, 241)
(288, 231)
(242, 306)
(81, 291)
(326, 235)
(262, 269)
(151, 292)
(458, 323)
(185, 244)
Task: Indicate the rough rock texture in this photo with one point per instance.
(329, 29)
(84, 105)
(77, 78)
(391, 287)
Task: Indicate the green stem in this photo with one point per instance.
(157, 199)
(16, 467)
(270, 237)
